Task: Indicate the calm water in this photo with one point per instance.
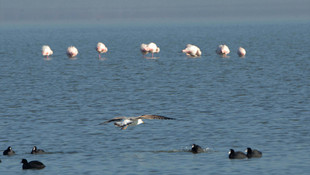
(260, 101)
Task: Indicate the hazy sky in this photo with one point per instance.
(114, 10)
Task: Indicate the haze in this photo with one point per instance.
(147, 10)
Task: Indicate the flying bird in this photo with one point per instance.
(72, 51)
(46, 51)
(241, 52)
(101, 48)
(192, 50)
(124, 122)
(149, 48)
(222, 50)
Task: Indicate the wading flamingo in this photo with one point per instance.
(241, 52)
(192, 50)
(46, 51)
(72, 51)
(101, 48)
(151, 47)
(222, 50)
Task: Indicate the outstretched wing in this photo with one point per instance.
(158, 117)
(113, 120)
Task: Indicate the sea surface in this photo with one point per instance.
(260, 101)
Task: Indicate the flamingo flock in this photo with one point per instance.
(190, 50)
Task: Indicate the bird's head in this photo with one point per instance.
(140, 121)
(248, 150)
(24, 161)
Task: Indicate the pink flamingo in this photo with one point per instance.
(241, 52)
(101, 48)
(192, 50)
(151, 47)
(222, 50)
(72, 51)
(46, 51)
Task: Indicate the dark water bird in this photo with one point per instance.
(35, 150)
(32, 164)
(253, 153)
(196, 149)
(124, 122)
(236, 155)
(9, 151)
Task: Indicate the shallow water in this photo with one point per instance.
(260, 101)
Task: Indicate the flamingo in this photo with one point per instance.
(241, 52)
(192, 50)
(72, 51)
(151, 47)
(222, 50)
(101, 48)
(46, 51)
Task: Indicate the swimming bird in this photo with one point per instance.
(124, 122)
(241, 52)
(35, 150)
(236, 155)
(151, 47)
(101, 48)
(192, 50)
(253, 153)
(46, 51)
(32, 164)
(72, 51)
(222, 50)
(196, 149)
(9, 151)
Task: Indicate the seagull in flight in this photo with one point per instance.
(124, 122)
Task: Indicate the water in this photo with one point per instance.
(260, 101)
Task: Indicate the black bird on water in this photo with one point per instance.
(236, 155)
(9, 151)
(32, 164)
(196, 149)
(253, 153)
